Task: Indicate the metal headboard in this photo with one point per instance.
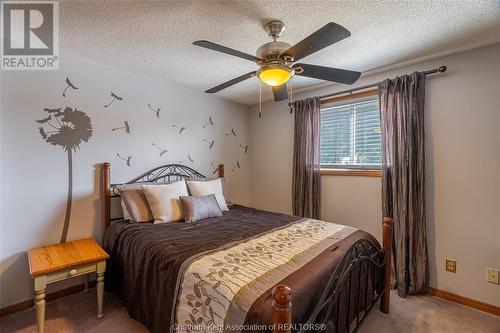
(164, 173)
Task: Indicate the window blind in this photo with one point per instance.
(350, 135)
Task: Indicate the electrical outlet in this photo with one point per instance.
(451, 265)
(492, 275)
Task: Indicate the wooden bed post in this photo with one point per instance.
(387, 244)
(106, 195)
(221, 170)
(282, 309)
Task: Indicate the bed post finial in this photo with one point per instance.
(221, 170)
(282, 309)
(387, 244)
(106, 193)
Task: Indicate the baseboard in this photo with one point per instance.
(465, 301)
(76, 289)
(49, 297)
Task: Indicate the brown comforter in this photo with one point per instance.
(145, 260)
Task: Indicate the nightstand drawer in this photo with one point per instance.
(71, 272)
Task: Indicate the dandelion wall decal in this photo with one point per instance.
(161, 151)
(115, 98)
(237, 166)
(44, 120)
(210, 143)
(209, 123)
(189, 159)
(245, 148)
(156, 111)
(54, 112)
(181, 129)
(68, 85)
(42, 133)
(127, 160)
(126, 127)
(231, 132)
(71, 128)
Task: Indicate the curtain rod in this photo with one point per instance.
(441, 69)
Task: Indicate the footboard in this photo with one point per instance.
(355, 286)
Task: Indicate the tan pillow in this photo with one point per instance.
(126, 215)
(201, 188)
(136, 203)
(164, 201)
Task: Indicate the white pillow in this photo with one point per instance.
(164, 201)
(207, 187)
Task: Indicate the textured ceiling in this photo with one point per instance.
(155, 37)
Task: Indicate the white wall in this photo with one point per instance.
(462, 146)
(34, 173)
(462, 170)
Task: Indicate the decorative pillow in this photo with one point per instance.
(136, 203)
(164, 200)
(199, 208)
(126, 215)
(224, 187)
(201, 188)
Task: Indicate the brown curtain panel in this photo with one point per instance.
(306, 166)
(403, 178)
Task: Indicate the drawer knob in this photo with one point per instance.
(72, 272)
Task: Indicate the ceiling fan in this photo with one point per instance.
(277, 59)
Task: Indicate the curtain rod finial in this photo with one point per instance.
(442, 69)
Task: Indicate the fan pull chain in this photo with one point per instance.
(260, 99)
(291, 97)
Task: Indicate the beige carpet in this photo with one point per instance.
(423, 314)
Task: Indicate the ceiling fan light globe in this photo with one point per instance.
(275, 75)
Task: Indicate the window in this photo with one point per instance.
(350, 134)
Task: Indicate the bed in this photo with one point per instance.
(248, 270)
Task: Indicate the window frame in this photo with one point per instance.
(332, 170)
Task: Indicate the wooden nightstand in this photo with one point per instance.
(59, 262)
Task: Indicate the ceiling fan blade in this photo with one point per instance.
(328, 73)
(280, 92)
(219, 48)
(231, 82)
(326, 36)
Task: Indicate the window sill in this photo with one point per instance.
(351, 172)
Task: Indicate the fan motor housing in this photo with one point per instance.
(271, 51)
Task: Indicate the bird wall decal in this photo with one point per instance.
(231, 132)
(156, 111)
(215, 168)
(126, 127)
(115, 97)
(161, 151)
(127, 160)
(189, 159)
(209, 123)
(245, 148)
(236, 166)
(210, 143)
(68, 85)
(179, 128)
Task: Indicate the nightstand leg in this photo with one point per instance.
(101, 268)
(40, 285)
(86, 284)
